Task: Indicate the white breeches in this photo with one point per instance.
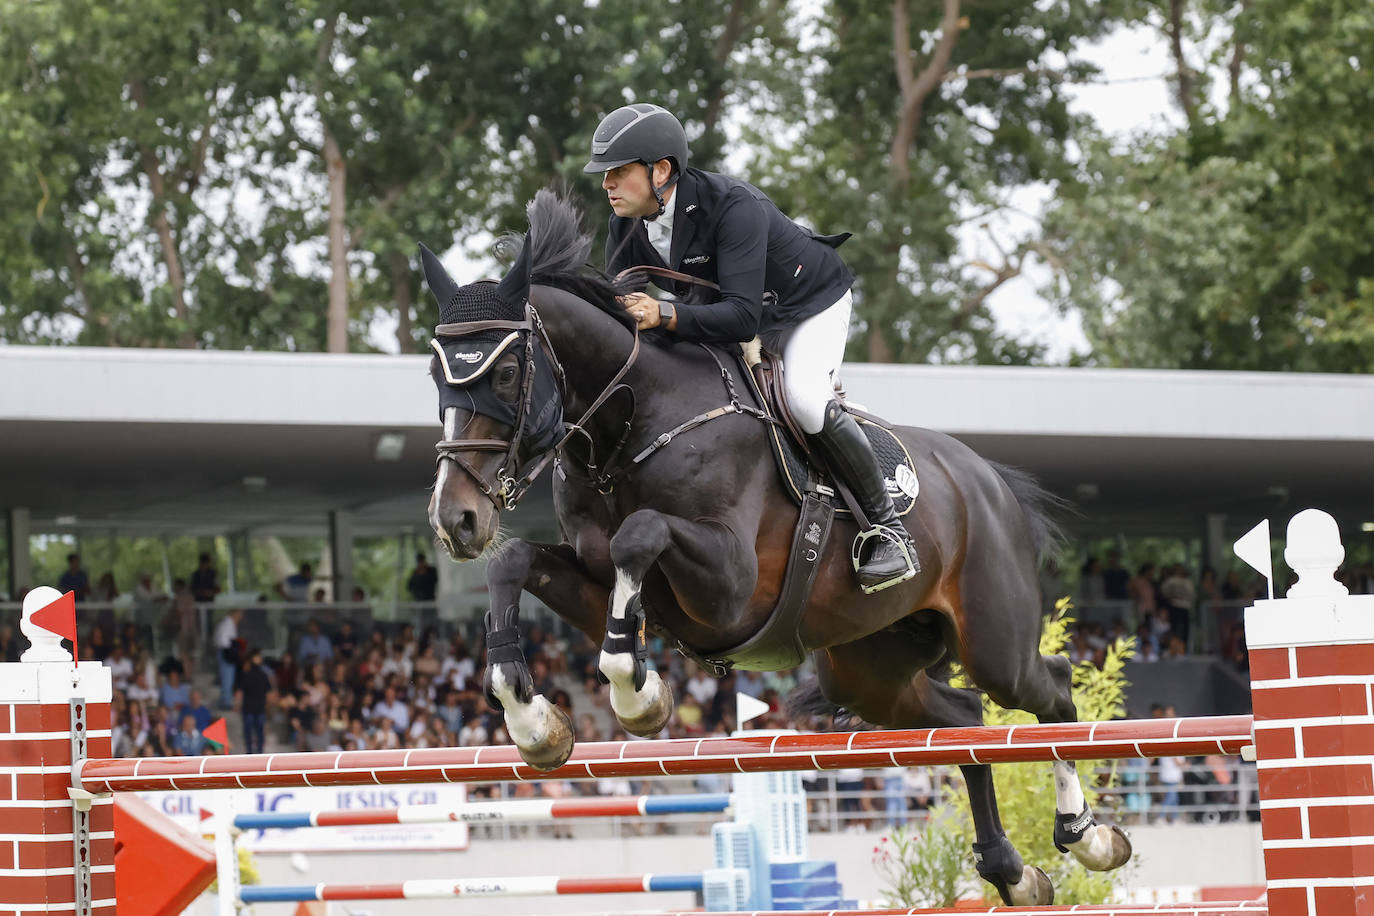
(811, 355)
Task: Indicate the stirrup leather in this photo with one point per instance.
(882, 532)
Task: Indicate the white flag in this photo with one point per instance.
(1253, 548)
(746, 708)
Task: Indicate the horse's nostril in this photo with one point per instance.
(467, 526)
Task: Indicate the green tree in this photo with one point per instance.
(1236, 242)
(920, 115)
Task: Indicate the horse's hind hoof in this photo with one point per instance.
(556, 747)
(651, 721)
(1034, 889)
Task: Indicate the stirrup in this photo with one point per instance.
(885, 533)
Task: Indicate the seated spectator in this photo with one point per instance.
(188, 741)
(345, 642)
(141, 689)
(392, 709)
(195, 708)
(315, 646)
(703, 687)
(9, 646)
(121, 668)
(450, 712)
(317, 737)
(173, 693)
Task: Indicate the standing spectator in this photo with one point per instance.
(1090, 583)
(315, 646)
(227, 654)
(1142, 591)
(105, 590)
(75, 578)
(205, 581)
(296, 587)
(146, 597)
(251, 692)
(1179, 597)
(1115, 578)
(424, 580)
(184, 619)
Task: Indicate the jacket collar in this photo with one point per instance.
(688, 211)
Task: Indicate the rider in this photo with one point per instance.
(727, 231)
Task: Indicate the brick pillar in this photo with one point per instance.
(1312, 677)
(37, 873)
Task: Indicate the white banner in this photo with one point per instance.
(187, 808)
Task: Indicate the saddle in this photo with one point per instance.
(792, 451)
(777, 644)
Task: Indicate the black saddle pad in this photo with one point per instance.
(899, 470)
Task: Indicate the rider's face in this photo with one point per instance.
(627, 188)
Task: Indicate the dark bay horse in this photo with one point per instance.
(698, 534)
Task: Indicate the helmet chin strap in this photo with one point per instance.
(658, 191)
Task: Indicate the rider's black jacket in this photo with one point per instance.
(729, 232)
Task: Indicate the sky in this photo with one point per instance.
(1132, 96)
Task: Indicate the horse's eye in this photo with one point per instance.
(508, 374)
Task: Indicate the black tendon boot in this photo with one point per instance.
(891, 555)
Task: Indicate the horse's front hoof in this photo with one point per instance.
(554, 748)
(1034, 888)
(1103, 848)
(650, 722)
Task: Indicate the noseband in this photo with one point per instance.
(506, 490)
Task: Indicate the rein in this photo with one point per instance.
(509, 490)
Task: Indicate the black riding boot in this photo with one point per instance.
(892, 557)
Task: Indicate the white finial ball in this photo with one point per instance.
(44, 646)
(1314, 552)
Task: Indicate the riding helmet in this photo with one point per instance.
(637, 133)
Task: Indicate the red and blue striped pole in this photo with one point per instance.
(438, 888)
(511, 812)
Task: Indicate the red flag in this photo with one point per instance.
(60, 618)
(217, 733)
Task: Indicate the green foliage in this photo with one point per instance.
(929, 866)
(1237, 242)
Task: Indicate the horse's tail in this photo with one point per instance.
(1044, 510)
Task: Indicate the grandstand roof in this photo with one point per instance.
(216, 442)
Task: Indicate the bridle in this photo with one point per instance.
(507, 489)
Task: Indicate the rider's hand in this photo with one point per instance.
(643, 308)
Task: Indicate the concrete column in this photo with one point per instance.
(20, 561)
(341, 553)
(1214, 545)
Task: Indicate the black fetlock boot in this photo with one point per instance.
(891, 556)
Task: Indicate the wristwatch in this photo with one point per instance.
(665, 311)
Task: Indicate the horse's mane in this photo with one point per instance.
(560, 257)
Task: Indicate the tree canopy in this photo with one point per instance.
(252, 174)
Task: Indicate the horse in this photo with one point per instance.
(694, 539)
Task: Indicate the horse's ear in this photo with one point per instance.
(514, 288)
(440, 283)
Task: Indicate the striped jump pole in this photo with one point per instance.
(746, 753)
(442, 888)
(509, 812)
(1231, 908)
